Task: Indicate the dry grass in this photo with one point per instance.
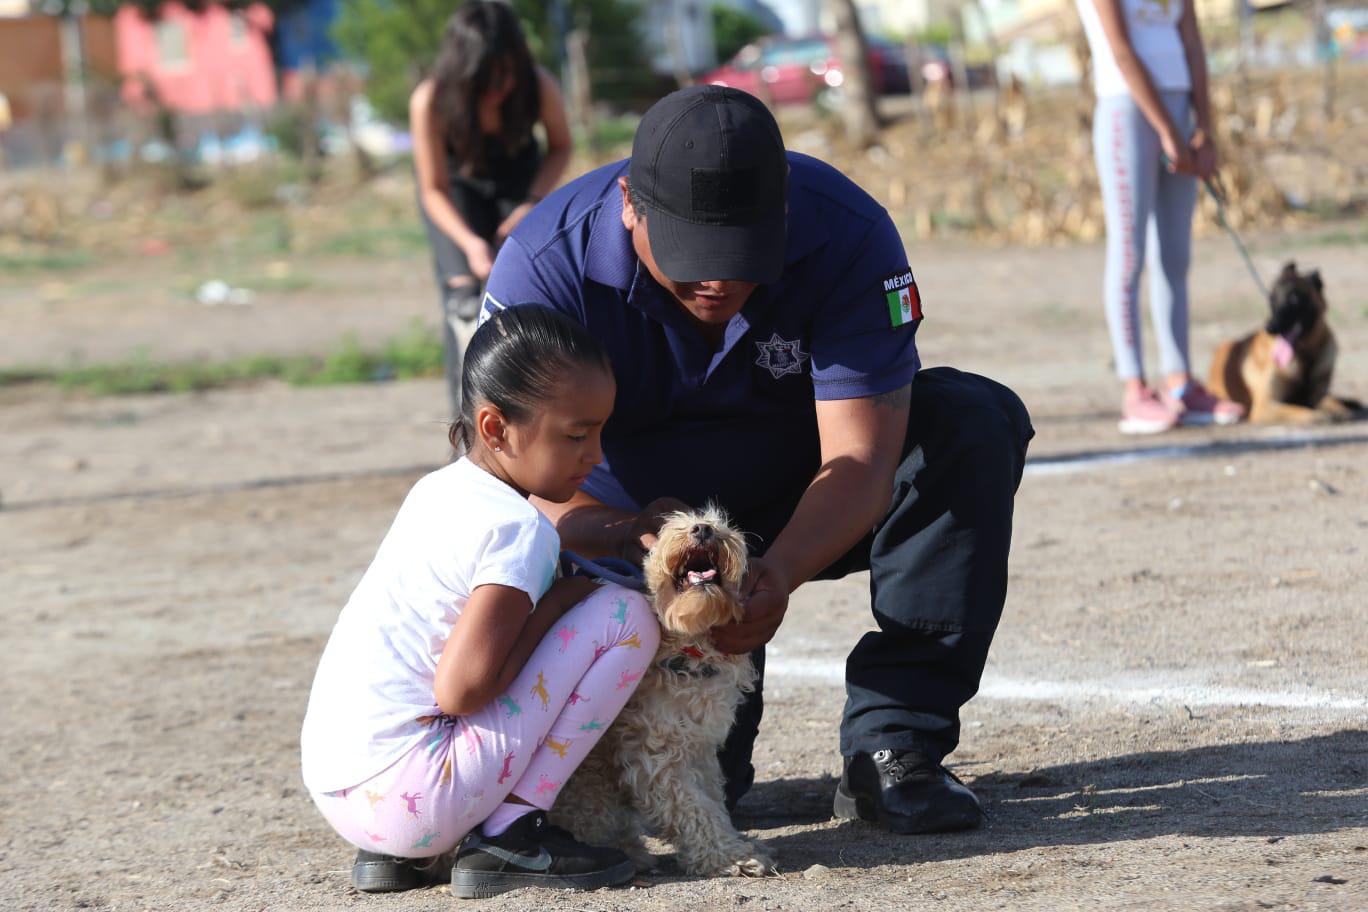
(1017, 169)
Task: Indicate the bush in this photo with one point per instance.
(396, 42)
(288, 125)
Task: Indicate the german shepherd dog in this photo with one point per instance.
(1281, 374)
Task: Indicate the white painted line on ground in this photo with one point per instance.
(1070, 463)
(1134, 691)
(995, 688)
(1059, 464)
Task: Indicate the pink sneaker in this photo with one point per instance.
(1145, 413)
(1198, 406)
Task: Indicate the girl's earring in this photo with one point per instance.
(498, 449)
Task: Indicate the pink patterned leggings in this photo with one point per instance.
(526, 743)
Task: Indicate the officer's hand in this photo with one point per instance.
(765, 595)
(641, 536)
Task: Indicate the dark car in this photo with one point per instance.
(799, 70)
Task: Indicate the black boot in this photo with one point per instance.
(905, 792)
(532, 853)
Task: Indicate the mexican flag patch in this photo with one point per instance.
(904, 303)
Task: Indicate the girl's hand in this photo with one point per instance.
(1203, 152)
(507, 225)
(1179, 159)
(480, 256)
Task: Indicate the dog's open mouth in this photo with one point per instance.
(698, 568)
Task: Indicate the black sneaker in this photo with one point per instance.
(532, 853)
(373, 873)
(905, 792)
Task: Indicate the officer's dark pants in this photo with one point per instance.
(938, 576)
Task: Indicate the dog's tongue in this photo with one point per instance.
(1282, 351)
(699, 577)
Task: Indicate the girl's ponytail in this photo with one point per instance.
(514, 362)
(456, 434)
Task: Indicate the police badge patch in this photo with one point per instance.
(780, 356)
(488, 308)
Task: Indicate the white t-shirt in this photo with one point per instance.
(1153, 29)
(459, 528)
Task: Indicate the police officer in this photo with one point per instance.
(761, 318)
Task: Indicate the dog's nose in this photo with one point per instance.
(701, 532)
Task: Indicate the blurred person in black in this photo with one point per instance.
(480, 168)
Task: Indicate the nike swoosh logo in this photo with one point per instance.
(539, 862)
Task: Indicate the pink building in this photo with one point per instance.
(197, 63)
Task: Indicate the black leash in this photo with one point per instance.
(611, 569)
(1216, 187)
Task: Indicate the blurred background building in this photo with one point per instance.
(206, 80)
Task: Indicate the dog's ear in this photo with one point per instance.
(1316, 280)
(1289, 270)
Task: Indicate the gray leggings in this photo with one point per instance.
(1147, 209)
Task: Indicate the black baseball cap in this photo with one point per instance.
(709, 163)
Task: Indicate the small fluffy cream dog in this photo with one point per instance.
(658, 760)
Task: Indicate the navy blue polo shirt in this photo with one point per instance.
(737, 424)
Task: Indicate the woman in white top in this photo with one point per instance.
(1152, 139)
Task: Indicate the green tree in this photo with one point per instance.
(617, 56)
(733, 29)
(397, 40)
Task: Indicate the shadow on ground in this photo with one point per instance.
(1267, 789)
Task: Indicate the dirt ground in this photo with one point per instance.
(1174, 715)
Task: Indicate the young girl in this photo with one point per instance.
(479, 168)
(464, 683)
(1151, 136)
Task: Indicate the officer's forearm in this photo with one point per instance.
(861, 445)
(588, 527)
(842, 504)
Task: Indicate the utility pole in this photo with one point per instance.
(674, 45)
(581, 92)
(559, 15)
(73, 68)
(858, 106)
(1246, 38)
(1325, 49)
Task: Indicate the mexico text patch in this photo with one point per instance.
(900, 294)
